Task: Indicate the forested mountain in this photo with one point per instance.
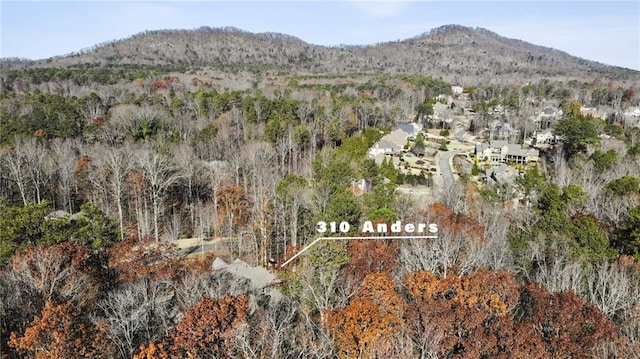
(151, 190)
(449, 52)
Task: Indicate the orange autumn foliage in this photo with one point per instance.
(370, 256)
(494, 292)
(207, 329)
(152, 351)
(233, 204)
(470, 315)
(459, 224)
(366, 326)
(569, 326)
(134, 260)
(56, 333)
(489, 315)
(65, 272)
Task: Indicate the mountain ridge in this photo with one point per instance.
(447, 51)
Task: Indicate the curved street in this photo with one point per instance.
(445, 164)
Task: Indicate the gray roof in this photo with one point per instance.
(498, 143)
(503, 173)
(387, 144)
(412, 129)
(258, 276)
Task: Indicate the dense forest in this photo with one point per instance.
(108, 162)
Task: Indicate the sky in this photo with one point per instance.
(603, 31)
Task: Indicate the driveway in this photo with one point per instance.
(445, 163)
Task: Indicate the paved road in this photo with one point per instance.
(445, 167)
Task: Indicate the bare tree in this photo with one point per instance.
(282, 330)
(555, 272)
(494, 252)
(217, 173)
(55, 273)
(63, 154)
(454, 197)
(437, 255)
(135, 314)
(403, 205)
(189, 167)
(126, 312)
(263, 178)
(161, 173)
(112, 168)
(15, 165)
(610, 289)
(38, 166)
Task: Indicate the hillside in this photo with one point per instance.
(159, 194)
(450, 52)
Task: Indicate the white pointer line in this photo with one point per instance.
(336, 238)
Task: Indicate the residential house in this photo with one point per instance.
(631, 117)
(385, 147)
(442, 116)
(492, 152)
(518, 154)
(547, 136)
(547, 117)
(412, 129)
(391, 143)
(501, 151)
(590, 110)
(456, 89)
(500, 130)
(394, 142)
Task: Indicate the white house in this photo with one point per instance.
(389, 144)
(517, 154)
(632, 117)
(384, 147)
(502, 151)
(456, 90)
(546, 136)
